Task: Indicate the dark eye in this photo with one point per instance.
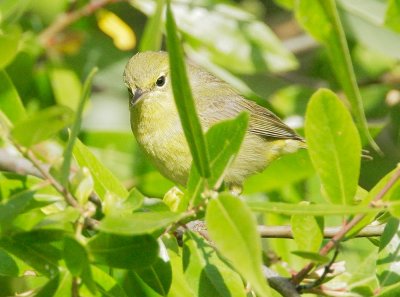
(160, 81)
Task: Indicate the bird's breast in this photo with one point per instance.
(158, 131)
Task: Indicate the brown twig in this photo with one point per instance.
(296, 279)
(47, 36)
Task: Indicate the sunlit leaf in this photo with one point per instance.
(123, 251)
(392, 18)
(9, 41)
(232, 228)
(184, 99)
(152, 35)
(10, 103)
(321, 20)
(334, 146)
(42, 125)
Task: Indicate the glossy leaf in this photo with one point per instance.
(206, 272)
(334, 146)
(75, 256)
(10, 103)
(65, 168)
(36, 128)
(321, 20)
(104, 180)
(106, 284)
(184, 100)
(311, 209)
(8, 266)
(312, 256)
(232, 227)
(139, 222)
(223, 143)
(123, 251)
(158, 276)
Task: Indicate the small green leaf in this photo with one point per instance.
(138, 222)
(184, 99)
(223, 143)
(158, 276)
(321, 20)
(8, 267)
(311, 209)
(205, 271)
(66, 96)
(65, 168)
(312, 256)
(334, 146)
(125, 252)
(233, 229)
(104, 180)
(9, 41)
(152, 35)
(308, 232)
(10, 103)
(75, 256)
(392, 18)
(42, 125)
(106, 284)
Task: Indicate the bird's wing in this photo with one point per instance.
(218, 106)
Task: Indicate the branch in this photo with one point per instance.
(282, 285)
(297, 278)
(329, 232)
(48, 36)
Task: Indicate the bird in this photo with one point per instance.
(156, 125)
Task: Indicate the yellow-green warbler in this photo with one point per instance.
(158, 130)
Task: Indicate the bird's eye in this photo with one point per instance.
(160, 81)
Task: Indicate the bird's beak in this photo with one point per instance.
(135, 96)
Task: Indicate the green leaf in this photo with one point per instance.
(308, 232)
(42, 125)
(158, 276)
(179, 286)
(392, 18)
(42, 257)
(388, 261)
(223, 32)
(106, 284)
(104, 180)
(138, 222)
(152, 35)
(334, 146)
(312, 256)
(223, 143)
(66, 96)
(10, 103)
(65, 168)
(9, 41)
(123, 251)
(311, 209)
(233, 229)
(184, 99)
(320, 18)
(206, 272)
(75, 256)
(295, 167)
(8, 267)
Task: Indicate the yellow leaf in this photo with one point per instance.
(123, 36)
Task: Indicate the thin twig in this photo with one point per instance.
(329, 232)
(47, 37)
(297, 278)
